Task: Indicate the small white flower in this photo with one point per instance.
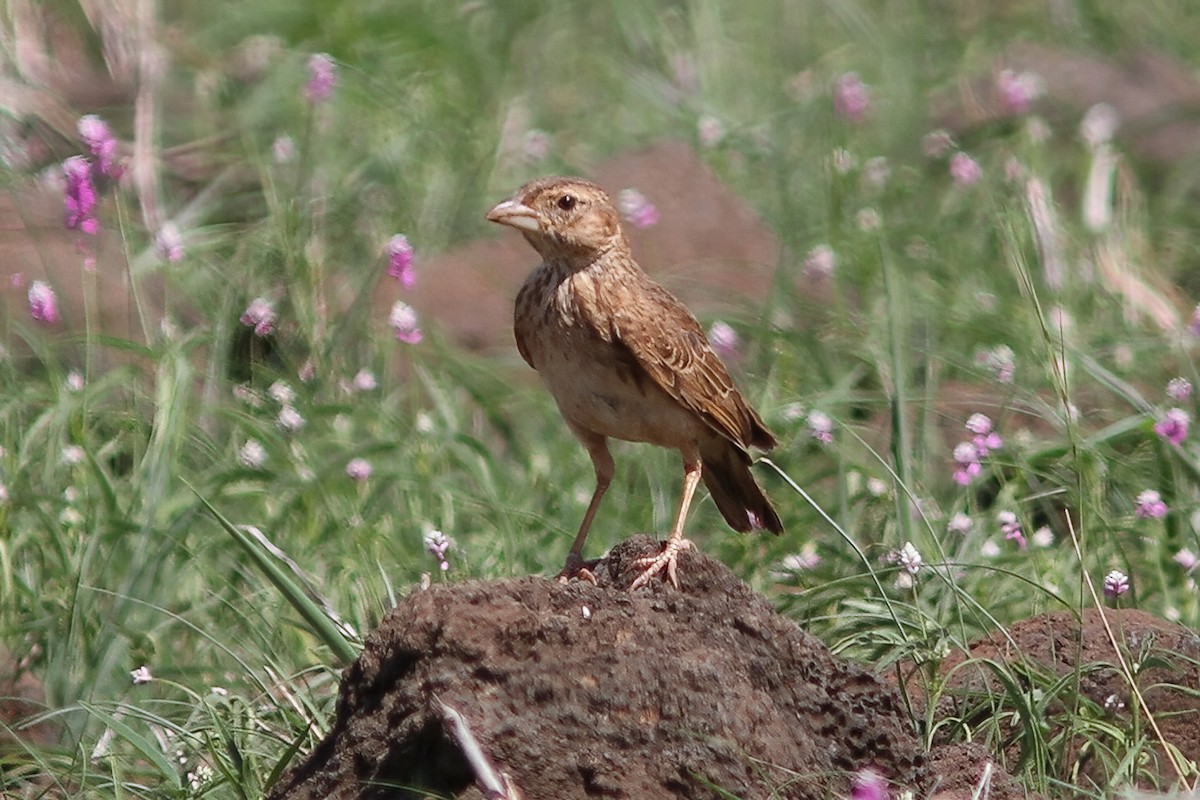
(75, 381)
(1043, 536)
(364, 381)
(72, 454)
(281, 393)
(289, 419)
(141, 676)
(909, 558)
(252, 454)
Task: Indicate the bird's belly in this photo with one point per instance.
(592, 395)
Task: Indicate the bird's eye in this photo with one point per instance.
(567, 202)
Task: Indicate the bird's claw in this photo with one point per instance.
(577, 568)
(667, 559)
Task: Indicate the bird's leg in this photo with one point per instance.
(597, 447)
(675, 543)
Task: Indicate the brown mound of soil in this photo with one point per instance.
(1041, 650)
(581, 691)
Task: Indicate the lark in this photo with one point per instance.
(624, 359)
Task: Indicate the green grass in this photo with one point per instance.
(117, 561)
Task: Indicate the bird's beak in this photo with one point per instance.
(516, 215)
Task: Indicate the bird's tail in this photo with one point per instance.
(726, 473)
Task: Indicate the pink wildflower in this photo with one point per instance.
(359, 469)
(851, 98)
(1000, 360)
(400, 260)
(43, 303)
(403, 320)
(637, 209)
(820, 262)
(959, 523)
(1010, 526)
(1116, 583)
(1173, 426)
(1018, 90)
(364, 381)
(322, 74)
(868, 784)
(965, 170)
(283, 149)
(168, 243)
(820, 427)
(80, 200)
(1150, 505)
(1179, 388)
(260, 316)
(1186, 559)
(985, 439)
(724, 340)
(966, 463)
(437, 543)
(101, 143)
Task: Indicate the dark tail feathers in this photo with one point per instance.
(726, 473)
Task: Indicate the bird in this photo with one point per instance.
(625, 359)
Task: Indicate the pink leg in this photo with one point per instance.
(675, 543)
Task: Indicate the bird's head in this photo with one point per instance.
(563, 218)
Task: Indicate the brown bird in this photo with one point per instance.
(625, 359)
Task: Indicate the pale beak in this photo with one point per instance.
(516, 215)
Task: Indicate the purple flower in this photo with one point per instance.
(1150, 505)
(851, 98)
(965, 170)
(359, 469)
(101, 143)
(966, 463)
(400, 260)
(260, 316)
(403, 321)
(1179, 388)
(1173, 426)
(820, 262)
(168, 243)
(868, 785)
(1010, 526)
(985, 439)
(1116, 583)
(636, 209)
(80, 200)
(1018, 90)
(322, 74)
(724, 340)
(43, 303)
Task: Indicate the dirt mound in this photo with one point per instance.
(1043, 652)
(582, 691)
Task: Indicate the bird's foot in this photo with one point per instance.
(667, 560)
(576, 567)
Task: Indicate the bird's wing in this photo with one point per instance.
(670, 346)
